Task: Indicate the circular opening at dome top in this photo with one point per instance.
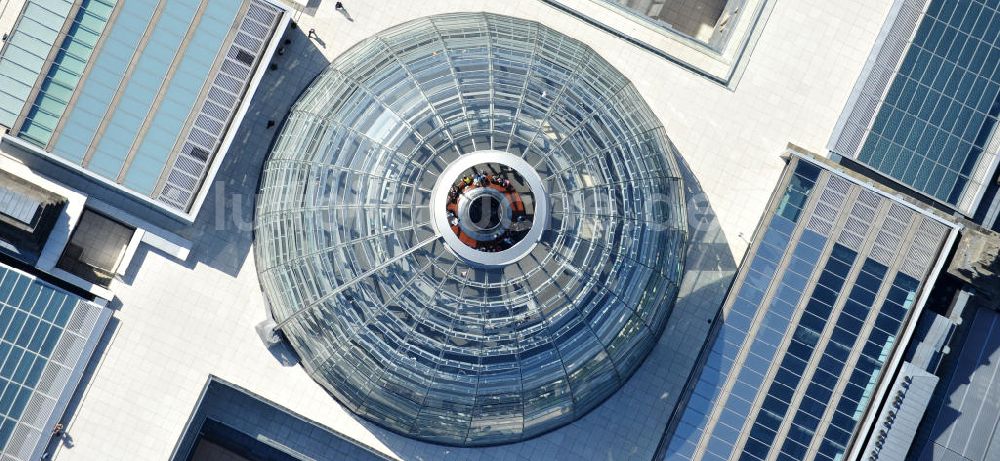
(489, 207)
(485, 213)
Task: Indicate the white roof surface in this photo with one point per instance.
(180, 322)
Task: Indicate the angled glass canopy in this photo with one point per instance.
(430, 335)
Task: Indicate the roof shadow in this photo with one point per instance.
(223, 233)
(65, 441)
(710, 267)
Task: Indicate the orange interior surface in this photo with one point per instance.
(515, 201)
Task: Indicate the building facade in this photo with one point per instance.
(49, 334)
(924, 113)
(818, 312)
(142, 96)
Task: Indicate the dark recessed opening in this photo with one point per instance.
(485, 212)
(244, 57)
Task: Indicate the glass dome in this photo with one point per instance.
(471, 229)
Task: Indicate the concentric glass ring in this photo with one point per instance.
(523, 193)
(385, 314)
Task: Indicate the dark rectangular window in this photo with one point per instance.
(245, 58)
(799, 352)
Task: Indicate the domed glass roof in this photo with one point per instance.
(471, 229)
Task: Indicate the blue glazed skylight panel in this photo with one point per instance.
(33, 316)
(182, 92)
(66, 70)
(731, 339)
(761, 272)
(142, 88)
(26, 52)
(943, 105)
(103, 80)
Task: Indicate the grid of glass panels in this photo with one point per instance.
(148, 76)
(837, 351)
(66, 70)
(43, 332)
(32, 317)
(743, 313)
(127, 103)
(25, 53)
(392, 323)
(933, 126)
(157, 81)
(190, 72)
(875, 350)
(793, 366)
(758, 396)
(96, 93)
(183, 174)
(763, 350)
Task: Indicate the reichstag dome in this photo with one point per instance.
(471, 229)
